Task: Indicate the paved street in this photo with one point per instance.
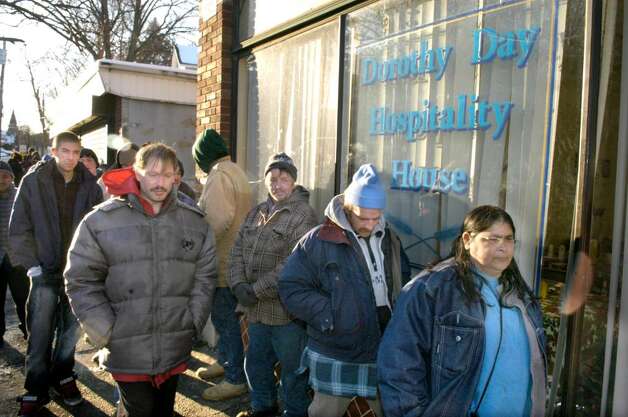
(97, 385)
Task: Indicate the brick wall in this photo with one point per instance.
(213, 104)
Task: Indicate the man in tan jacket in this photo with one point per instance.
(226, 199)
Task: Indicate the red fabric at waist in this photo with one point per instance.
(155, 380)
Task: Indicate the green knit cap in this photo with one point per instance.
(209, 147)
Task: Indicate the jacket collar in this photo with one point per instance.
(331, 232)
(45, 171)
(299, 194)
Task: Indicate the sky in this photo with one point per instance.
(17, 92)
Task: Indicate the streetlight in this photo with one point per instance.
(3, 60)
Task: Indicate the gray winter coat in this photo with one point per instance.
(142, 286)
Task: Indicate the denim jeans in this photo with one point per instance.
(230, 348)
(267, 344)
(47, 312)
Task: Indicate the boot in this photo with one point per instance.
(212, 371)
(224, 391)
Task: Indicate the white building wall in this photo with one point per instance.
(172, 124)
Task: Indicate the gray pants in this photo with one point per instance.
(325, 405)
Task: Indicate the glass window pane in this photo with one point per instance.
(450, 102)
(291, 106)
(258, 16)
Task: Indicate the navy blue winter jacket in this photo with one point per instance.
(34, 229)
(430, 357)
(327, 284)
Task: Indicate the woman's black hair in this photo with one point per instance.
(478, 220)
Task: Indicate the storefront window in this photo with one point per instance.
(586, 332)
(258, 16)
(289, 103)
(452, 101)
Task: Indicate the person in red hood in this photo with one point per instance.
(140, 278)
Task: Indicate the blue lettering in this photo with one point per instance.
(429, 178)
(460, 181)
(376, 121)
(527, 38)
(506, 48)
(479, 35)
(403, 172)
(405, 177)
(369, 74)
(444, 180)
(502, 114)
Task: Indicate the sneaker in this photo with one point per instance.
(271, 412)
(68, 391)
(224, 391)
(212, 371)
(30, 405)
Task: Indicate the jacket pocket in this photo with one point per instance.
(346, 311)
(456, 340)
(280, 232)
(188, 319)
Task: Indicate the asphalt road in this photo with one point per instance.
(97, 386)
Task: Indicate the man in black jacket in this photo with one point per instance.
(51, 200)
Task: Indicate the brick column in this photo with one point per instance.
(213, 104)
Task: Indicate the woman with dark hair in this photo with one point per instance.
(466, 337)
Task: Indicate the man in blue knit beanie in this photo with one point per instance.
(342, 280)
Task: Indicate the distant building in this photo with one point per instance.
(140, 101)
(12, 131)
(185, 57)
(8, 136)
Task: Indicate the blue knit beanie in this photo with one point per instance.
(366, 189)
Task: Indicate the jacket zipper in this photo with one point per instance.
(368, 284)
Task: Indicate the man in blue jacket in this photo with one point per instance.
(342, 280)
(52, 199)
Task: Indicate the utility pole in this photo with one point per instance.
(3, 60)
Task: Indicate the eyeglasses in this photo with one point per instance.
(494, 240)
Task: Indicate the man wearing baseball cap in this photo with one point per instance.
(342, 280)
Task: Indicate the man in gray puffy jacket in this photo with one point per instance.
(140, 278)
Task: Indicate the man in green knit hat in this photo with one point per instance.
(226, 199)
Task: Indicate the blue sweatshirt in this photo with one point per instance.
(508, 392)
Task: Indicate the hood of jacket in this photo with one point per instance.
(122, 182)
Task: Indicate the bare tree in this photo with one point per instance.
(117, 29)
(39, 98)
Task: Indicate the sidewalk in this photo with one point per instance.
(97, 385)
